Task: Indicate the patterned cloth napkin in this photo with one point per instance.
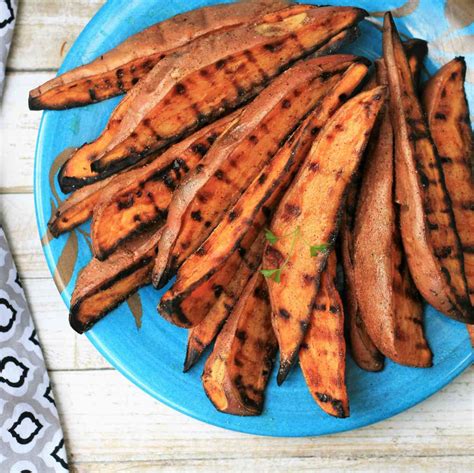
(8, 9)
(31, 438)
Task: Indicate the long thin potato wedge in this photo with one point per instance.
(323, 353)
(307, 220)
(138, 199)
(237, 371)
(119, 69)
(203, 81)
(389, 306)
(430, 239)
(238, 155)
(265, 190)
(189, 309)
(202, 335)
(216, 74)
(363, 350)
(447, 111)
(103, 285)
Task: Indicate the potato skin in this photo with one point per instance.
(428, 228)
(119, 69)
(237, 371)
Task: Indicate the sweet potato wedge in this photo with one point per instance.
(103, 285)
(387, 300)
(189, 309)
(323, 353)
(210, 77)
(119, 69)
(238, 155)
(202, 335)
(265, 190)
(447, 111)
(429, 235)
(237, 371)
(139, 198)
(307, 220)
(364, 352)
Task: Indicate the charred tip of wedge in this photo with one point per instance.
(192, 357)
(284, 369)
(34, 102)
(75, 323)
(170, 309)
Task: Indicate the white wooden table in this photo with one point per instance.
(109, 424)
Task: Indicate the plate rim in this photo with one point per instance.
(462, 365)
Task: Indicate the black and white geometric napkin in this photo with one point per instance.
(31, 438)
(8, 9)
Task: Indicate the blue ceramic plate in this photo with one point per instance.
(152, 357)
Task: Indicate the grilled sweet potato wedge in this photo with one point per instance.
(323, 353)
(139, 198)
(189, 309)
(202, 335)
(364, 352)
(266, 189)
(103, 285)
(429, 235)
(237, 371)
(119, 69)
(307, 220)
(447, 111)
(238, 155)
(208, 78)
(387, 300)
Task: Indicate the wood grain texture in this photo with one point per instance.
(110, 425)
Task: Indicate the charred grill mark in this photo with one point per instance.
(92, 95)
(333, 309)
(196, 215)
(274, 47)
(220, 175)
(291, 210)
(241, 335)
(468, 249)
(286, 104)
(125, 204)
(320, 307)
(262, 178)
(303, 325)
(233, 215)
(217, 289)
(336, 403)
(443, 252)
(284, 314)
(447, 274)
(467, 205)
(440, 116)
(220, 64)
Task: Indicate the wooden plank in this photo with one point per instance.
(18, 130)
(376, 464)
(17, 216)
(107, 419)
(46, 29)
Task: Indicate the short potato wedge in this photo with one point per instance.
(323, 353)
(103, 285)
(237, 371)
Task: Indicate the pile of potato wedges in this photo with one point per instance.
(250, 162)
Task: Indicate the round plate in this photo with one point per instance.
(152, 356)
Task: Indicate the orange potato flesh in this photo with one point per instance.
(237, 371)
(323, 353)
(447, 111)
(202, 335)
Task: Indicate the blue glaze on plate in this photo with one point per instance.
(152, 357)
